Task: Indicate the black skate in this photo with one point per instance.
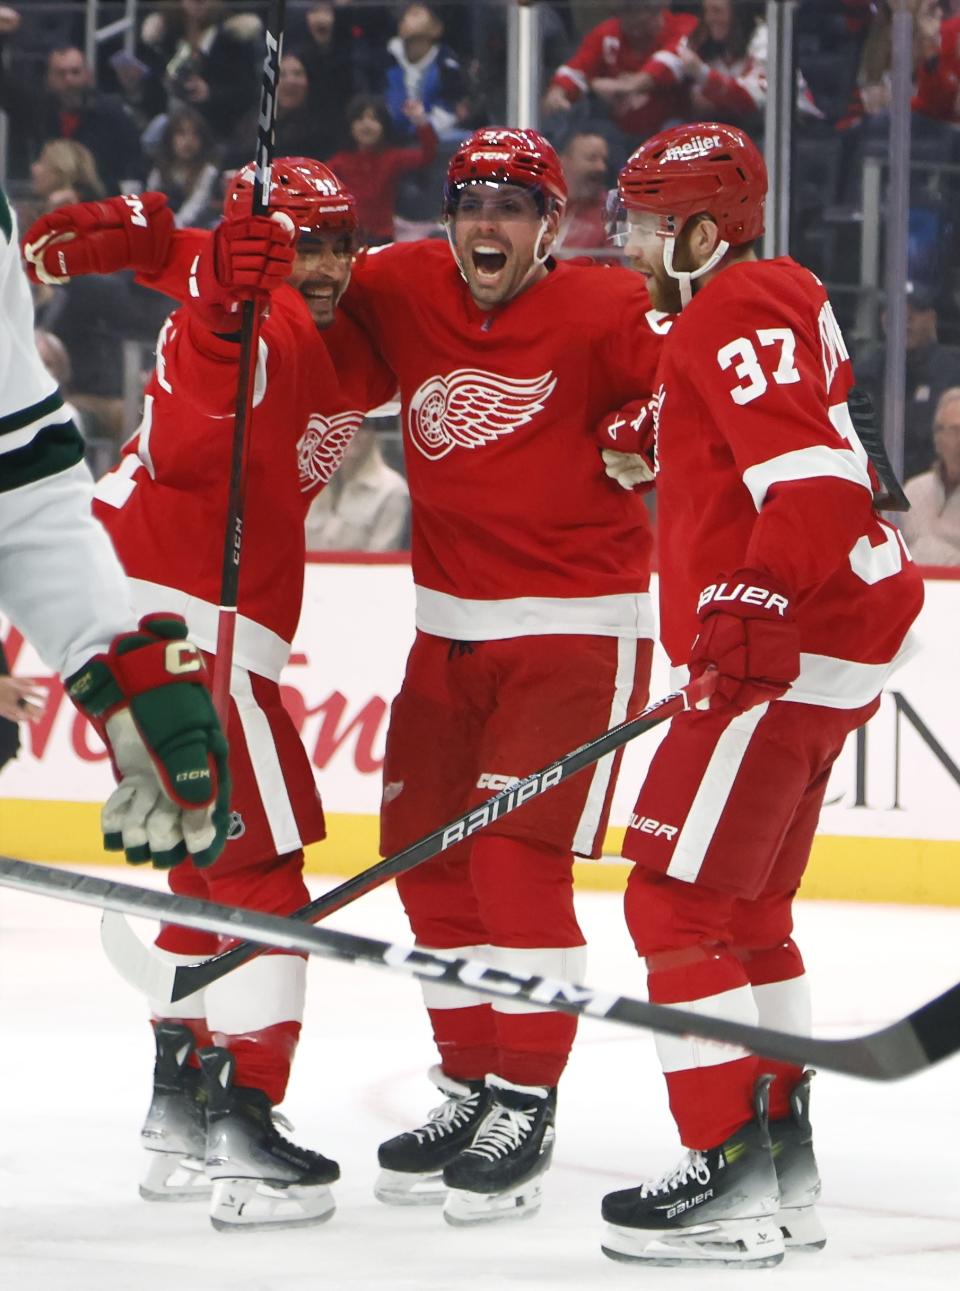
(499, 1176)
(717, 1207)
(411, 1165)
(260, 1179)
(175, 1130)
(797, 1173)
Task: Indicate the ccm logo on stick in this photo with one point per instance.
(745, 593)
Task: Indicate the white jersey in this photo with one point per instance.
(59, 579)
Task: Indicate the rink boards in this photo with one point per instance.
(888, 830)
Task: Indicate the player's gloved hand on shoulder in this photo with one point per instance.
(130, 232)
(626, 444)
(149, 698)
(248, 257)
(748, 635)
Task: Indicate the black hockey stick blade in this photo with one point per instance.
(910, 1045)
(189, 978)
(864, 419)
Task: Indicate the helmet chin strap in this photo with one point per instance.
(683, 278)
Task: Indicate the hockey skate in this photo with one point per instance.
(411, 1165)
(260, 1179)
(175, 1130)
(718, 1206)
(499, 1176)
(797, 1173)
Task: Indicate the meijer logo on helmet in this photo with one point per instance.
(696, 147)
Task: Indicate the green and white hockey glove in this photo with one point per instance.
(149, 698)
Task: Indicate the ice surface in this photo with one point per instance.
(75, 1078)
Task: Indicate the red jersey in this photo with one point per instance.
(759, 466)
(516, 529)
(606, 52)
(164, 506)
(938, 81)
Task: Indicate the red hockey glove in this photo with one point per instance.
(626, 444)
(247, 258)
(148, 696)
(131, 232)
(749, 637)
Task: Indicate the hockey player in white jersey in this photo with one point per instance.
(143, 687)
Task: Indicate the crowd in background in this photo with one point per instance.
(385, 92)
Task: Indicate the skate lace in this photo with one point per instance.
(447, 1118)
(503, 1133)
(693, 1166)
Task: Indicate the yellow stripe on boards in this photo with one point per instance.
(906, 871)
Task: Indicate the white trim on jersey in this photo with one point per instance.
(585, 835)
(830, 682)
(256, 648)
(686, 1053)
(711, 797)
(456, 618)
(805, 464)
(573, 74)
(11, 440)
(265, 761)
(842, 683)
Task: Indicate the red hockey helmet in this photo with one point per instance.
(302, 188)
(498, 155)
(706, 167)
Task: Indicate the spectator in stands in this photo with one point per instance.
(371, 169)
(140, 87)
(344, 50)
(186, 169)
(300, 130)
(932, 525)
(586, 162)
(938, 76)
(67, 106)
(631, 64)
(724, 66)
(931, 368)
(64, 163)
(873, 80)
(424, 70)
(366, 505)
(212, 62)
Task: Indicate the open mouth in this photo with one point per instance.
(488, 261)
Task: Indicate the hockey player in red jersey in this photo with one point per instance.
(164, 507)
(533, 631)
(777, 571)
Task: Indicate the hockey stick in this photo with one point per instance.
(137, 964)
(246, 375)
(864, 419)
(915, 1042)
